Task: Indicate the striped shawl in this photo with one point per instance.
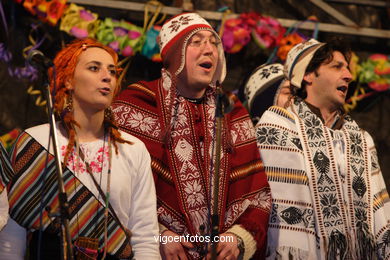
(31, 181)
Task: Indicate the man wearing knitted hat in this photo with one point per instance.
(175, 117)
(329, 196)
(266, 87)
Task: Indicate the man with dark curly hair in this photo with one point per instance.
(329, 196)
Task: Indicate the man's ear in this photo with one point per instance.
(308, 78)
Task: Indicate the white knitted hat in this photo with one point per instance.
(261, 79)
(298, 58)
(181, 28)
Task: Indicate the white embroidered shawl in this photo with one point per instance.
(318, 212)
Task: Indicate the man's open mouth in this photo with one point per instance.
(206, 65)
(342, 89)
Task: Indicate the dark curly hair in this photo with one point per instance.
(323, 55)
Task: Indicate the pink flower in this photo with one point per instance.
(81, 167)
(86, 16)
(114, 45)
(250, 19)
(95, 167)
(268, 32)
(127, 51)
(235, 36)
(78, 32)
(119, 31)
(234, 22)
(133, 34)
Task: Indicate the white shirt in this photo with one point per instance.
(132, 191)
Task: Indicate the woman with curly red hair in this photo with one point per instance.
(107, 174)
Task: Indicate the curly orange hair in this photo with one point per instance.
(65, 63)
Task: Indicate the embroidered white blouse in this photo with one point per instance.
(132, 191)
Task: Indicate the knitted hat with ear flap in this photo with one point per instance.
(298, 58)
(262, 87)
(173, 40)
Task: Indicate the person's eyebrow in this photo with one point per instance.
(338, 63)
(99, 63)
(94, 62)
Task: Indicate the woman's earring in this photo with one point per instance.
(108, 114)
(69, 106)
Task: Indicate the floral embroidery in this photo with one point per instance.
(329, 203)
(265, 73)
(181, 120)
(73, 164)
(268, 135)
(361, 215)
(168, 220)
(247, 130)
(138, 120)
(195, 197)
(94, 155)
(356, 145)
(176, 24)
(243, 131)
(313, 127)
(263, 200)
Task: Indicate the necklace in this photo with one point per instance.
(93, 242)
